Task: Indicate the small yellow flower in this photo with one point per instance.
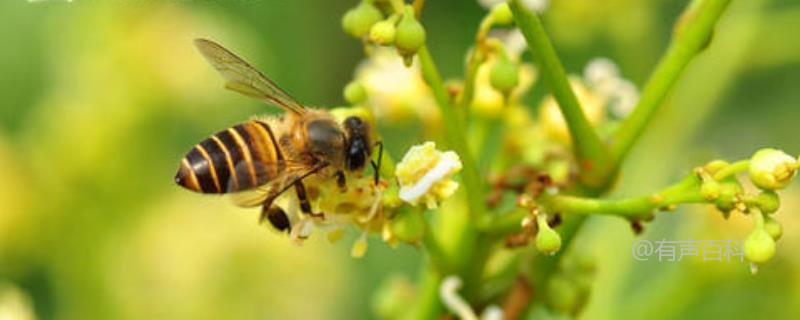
(424, 174)
(14, 303)
(603, 76)
(395, 92)
(772, 169)
(593, 104)
(486, 101)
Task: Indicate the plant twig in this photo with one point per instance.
(464, 261)
(434, 249)
(695, 26)
(637, 208)
(454, 132)
(591, 153)
(732, 169)
(691, 35)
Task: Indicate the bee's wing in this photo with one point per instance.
(245, 79)
(268, 192)
(256, 197)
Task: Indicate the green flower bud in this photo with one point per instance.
(358, 21)
(773, 227)
(715, 165)
(383, 32)
(759, 246)
(504, 75)
(410, 35)
(408, 227)
(501, 14)
(547, 240)
(355, 93)
(768, 202)
(772, 169)
(728, 194)
(710, 189)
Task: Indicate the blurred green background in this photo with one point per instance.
(100, 100)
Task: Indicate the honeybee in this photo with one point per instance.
(273, 154)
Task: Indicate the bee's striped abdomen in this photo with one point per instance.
(242, 157)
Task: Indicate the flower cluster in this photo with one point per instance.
(534, 158)
(769, 170)
(369, 21)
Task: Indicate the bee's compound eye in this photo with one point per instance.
(353, 123)
(358, 149)
(356, 154)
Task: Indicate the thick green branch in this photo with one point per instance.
(692, 34)
(473, 184)
(590, 151)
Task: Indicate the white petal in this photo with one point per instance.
(448, 163)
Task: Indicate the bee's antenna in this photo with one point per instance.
(377, 167)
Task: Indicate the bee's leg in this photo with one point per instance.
(376, 167)
(341, 181)
(305, 205)
(276, 217)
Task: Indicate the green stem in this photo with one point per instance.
(686, 191)
(454, 131)
(591, 153)
(692, 34)
(506, 223)
(434, 249)
(465, 261)
(696, 28)
(476, 57)
(397, 5)
(732, 169)
(428, 305)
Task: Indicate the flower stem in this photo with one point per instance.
(434, 249)
(691, 35)
(454, 130)
(397, 5)
(476, 57)
(732, 169)
(470, 259)
(686, 191)
(591, 153)
(428, 305)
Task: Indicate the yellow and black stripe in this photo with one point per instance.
(239, 158)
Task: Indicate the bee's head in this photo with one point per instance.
(358, 147)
